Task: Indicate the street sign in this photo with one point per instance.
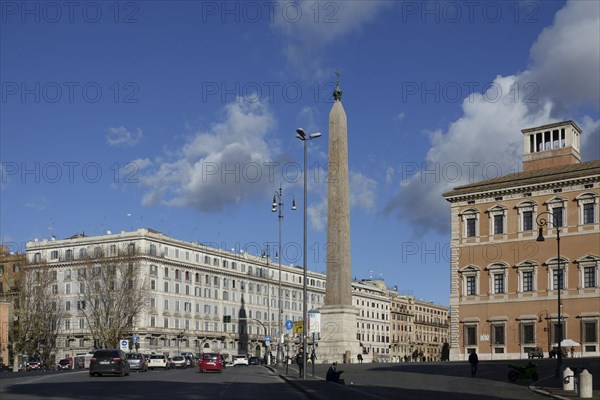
(289, 324)
(136, 339)
(124, 344)
(267, 338)
(298, 327)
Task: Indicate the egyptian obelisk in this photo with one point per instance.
(338, 316)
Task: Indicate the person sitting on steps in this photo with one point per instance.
(333, 375)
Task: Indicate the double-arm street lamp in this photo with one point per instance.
(542, 221)
(278, 204)
(300, 134)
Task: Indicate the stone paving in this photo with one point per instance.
(384, 383)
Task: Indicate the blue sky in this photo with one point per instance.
(181, 116)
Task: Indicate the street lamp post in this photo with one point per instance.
(278, 203)
(542, 221)
(266, 254)
(301, 134)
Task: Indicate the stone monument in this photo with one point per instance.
(338, 316)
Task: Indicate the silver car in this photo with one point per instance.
(137, 362)
(179, 362)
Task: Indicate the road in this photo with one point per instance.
(406, 381)
(234, 383)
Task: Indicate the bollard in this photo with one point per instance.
(585, 385)
(567, 376)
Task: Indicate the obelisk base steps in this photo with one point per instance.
(338, 335)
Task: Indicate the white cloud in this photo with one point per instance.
(318, 25)
(362, 196)
(362, 191)
(389, 175)
(39, 204)
(317, 214)
(486, 141)
(141, 163)
(122, 137)
(222, 166)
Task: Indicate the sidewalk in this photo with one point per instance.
(317, 388)
(560, 394)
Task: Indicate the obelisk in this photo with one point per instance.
(338, 316)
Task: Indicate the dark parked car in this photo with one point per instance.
(254, 361)
(63, 364)
(109, 361)
(137, 362)
(34, 364)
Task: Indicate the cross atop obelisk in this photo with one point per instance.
(337, 93)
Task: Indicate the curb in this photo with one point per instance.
(309, 392)
(547, 393)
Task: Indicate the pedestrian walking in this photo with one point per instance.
(359, 357)
(473, 360)
(300, 361)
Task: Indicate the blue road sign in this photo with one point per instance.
(267, 338)
(289, 324)
(135, 339)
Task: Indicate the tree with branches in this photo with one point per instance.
(38, 313)
(112, 295)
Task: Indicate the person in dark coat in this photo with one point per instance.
(333, 375)
(300, 361)
(473, 360)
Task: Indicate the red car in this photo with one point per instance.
(34, 364)
(211, 362)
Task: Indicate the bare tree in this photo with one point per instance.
(112, 296)
(39, 314)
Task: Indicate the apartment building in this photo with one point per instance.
(430, 329)
(373, 319)
(199, 298)
(505, 283)
(10, 267)
(395, 328)
(191, 290)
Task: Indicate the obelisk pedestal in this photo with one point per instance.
(338, 317)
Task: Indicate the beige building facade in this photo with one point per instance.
(10, 268)
(505, 283)
(191, 288)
